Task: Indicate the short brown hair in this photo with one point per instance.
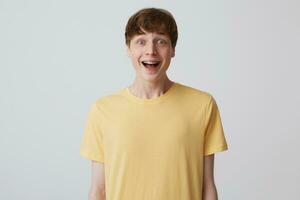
(151, 20)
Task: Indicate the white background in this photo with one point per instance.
(58, 57)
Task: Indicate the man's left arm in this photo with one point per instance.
(209, 191)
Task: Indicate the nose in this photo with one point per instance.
(151, 49)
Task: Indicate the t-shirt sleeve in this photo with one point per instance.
(92, 142)
(214, 138)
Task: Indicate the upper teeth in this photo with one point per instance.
(150, 62)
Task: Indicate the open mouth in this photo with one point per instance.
(151, 64)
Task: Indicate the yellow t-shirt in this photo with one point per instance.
(153, 149)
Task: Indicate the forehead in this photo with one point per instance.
(149, 34)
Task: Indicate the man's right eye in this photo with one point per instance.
(140, 42)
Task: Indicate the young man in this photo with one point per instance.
(155, 139)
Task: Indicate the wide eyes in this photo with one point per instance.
(159, 42)
(140, 42)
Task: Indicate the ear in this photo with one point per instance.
(128, 51)
(173, 53)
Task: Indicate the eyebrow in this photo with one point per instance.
(159, 34)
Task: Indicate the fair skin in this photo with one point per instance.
(152, 48)
(209, 190)
(97, 188)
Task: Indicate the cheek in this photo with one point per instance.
(136, 54)
(135, 59)
(167, 54)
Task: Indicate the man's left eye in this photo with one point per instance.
(161, 41)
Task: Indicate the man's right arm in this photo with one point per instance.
(97, 189)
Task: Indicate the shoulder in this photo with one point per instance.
(110, 99)
(195, 94)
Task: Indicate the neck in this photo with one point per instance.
(149, 90)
